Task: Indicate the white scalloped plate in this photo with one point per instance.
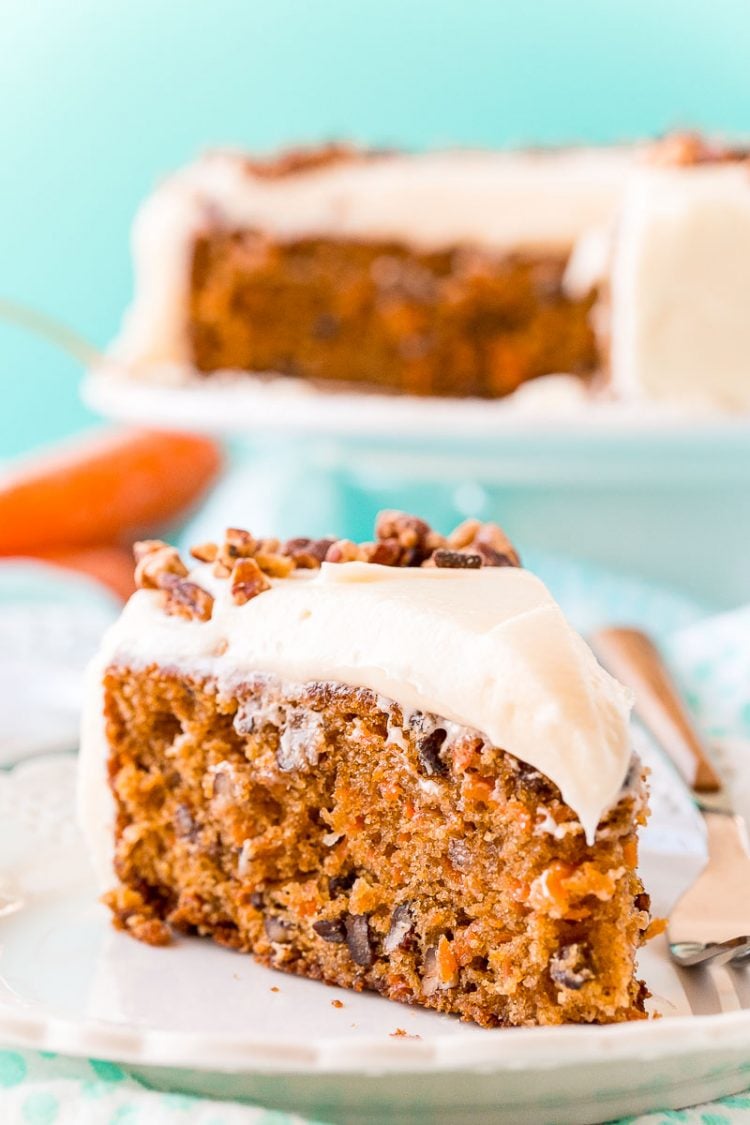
(556, 406)
(200, 1018)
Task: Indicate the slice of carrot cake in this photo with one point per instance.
(440, 273)
(389, 766)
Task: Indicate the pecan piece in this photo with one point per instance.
(430, 978)
(440, 968)
(343, 550)
(494, 546)
(409, 531)
(414, 537)
(205, 552)
(238, 543)
(277, 566)
(248, 580)
(333, 931)
(491, 557)
(277, 930)
(358, 939)
(155, 559)
(185, 823)
(339, 883)
(464, 534)
(402, 924)
(146, 547)
(570, 967)
(307, 554)
(428, 752)
(185, 599)
(387, 552)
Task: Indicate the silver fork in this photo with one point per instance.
(710, 923)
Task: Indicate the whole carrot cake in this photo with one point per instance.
(389, 766)
(440, 273)
(452, 273)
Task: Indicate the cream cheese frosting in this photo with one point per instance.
(488, 649)
(680, 279)
(503, 201)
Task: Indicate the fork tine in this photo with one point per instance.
(741, 981)
(723, 982)
(700, 990)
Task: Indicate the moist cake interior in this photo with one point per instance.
(321, 829)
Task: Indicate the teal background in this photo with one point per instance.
(101, 97)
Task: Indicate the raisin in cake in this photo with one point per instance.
(389, 766)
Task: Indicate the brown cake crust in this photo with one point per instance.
(333, 836)
(457, 322)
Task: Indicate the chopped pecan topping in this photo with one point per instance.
(343, 550)
(274, 565)
(239, 544)
(248, 580)
(186, 599)
(401, 540)
(146, 547)
(464, 534)
(494, 546)
(294, 161)
(205, 552)
(307, 554)
(388, 552)
(155, 559)
(684, 149)
(416, 539)
(407, 530)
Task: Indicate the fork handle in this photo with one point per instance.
(633, 658)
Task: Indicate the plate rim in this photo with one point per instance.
(501, 1050)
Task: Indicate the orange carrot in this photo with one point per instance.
(447, 965)
(630, 853)
(111, 487)
(112, 566)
